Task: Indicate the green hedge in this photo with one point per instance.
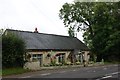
(13, 49)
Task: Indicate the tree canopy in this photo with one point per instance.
(100, 22)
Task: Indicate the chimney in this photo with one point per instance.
(36, 30)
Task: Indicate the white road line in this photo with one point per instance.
(45, 74)
(106, 77)
(115, 73)
(26, 77)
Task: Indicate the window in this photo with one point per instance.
(61, 57)
(34, 55)
(37, 57)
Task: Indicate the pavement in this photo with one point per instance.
(91, 72)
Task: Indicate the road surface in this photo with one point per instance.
(96, 73)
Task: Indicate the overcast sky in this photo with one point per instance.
(28, 14)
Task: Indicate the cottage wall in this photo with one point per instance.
(86, 56)
(46, 60)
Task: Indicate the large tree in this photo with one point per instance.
(100, 23)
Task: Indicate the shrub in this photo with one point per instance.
(77, 63)
(13, 49)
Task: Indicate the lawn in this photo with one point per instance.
(11, 71)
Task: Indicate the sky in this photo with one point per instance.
(27, 15)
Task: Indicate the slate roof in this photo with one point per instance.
(49, 41)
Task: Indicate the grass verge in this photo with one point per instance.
(112, 62)
(11, 71)
(0, 72)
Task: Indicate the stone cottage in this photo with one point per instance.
(43, 49)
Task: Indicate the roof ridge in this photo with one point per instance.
(41, 33)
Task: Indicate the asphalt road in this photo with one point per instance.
(96, 73)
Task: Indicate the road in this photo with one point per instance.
(96, 73)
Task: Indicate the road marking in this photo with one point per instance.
(45, 74)
(106, 77)
(26, 77)
(115, 73)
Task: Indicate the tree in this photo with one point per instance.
(1, 31)
(1, 48)
(100, 23)
(13, 49)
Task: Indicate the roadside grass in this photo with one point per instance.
(0, 72)
(12, 71)
(115, 62)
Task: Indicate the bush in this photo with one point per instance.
(46, 65)
(13, 49)
(77, 63)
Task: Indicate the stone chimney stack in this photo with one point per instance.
(36, 30)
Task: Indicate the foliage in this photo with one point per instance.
(71, 32)
(1, 31)
(0, 50)
(100, 23)
(53, 61)
(13, 49)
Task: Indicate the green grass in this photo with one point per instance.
(11, 71)
(112, 62)
(0, 72)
